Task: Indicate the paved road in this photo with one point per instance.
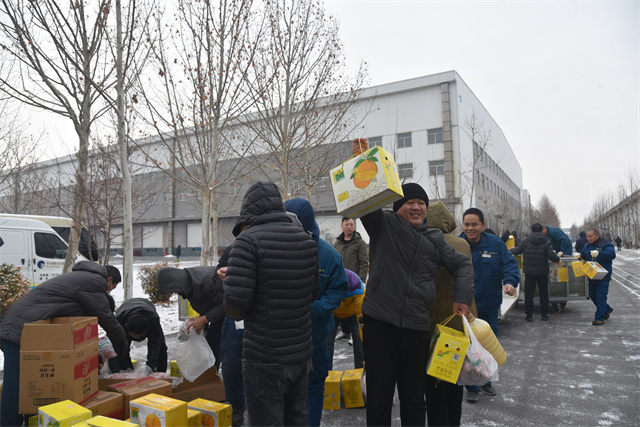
(561, 372)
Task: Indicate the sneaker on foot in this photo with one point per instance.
(472, 396)
(488, 390)
(606, 316)
(342, 336)
(529, 319)
(351, 342)
(597, 322)
(545, 318)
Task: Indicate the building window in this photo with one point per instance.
(436, 167)
(434, 136)
(376, 141)
(404, 140)
(166, 197)
(299, 184)
(233, 189)
(405, 170)
(182, 197)
(325, 182)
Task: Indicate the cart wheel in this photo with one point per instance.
(557, 308)
(563, 304)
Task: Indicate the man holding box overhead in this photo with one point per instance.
(83, 292)
(404, 256)
(602, 252)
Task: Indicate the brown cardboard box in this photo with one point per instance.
(207, 386)
(58, 361)
(139, 387)
(108, 404)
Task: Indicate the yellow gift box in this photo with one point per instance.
(559, 274)
(62, 414)
(365, 183)
(577, 268)
(154, 410)
(100, 421)
(353, 388)
(194, 418)
(174, 370)
(446, 356)
(594, 270)
(213, 413)
(332, 390)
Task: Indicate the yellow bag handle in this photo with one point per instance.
(448, 319)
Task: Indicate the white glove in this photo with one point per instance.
(560, 253)
(576, 256)
(594, 254)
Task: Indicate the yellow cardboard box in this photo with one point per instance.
(365, 183)
(194, 418)
(332, 390)
(62, 414)
(100, 421)
(594, 270)
(213, 413)
(353, 388)
(446, 356)
(577, 268)
(174, 370)
(559, 274)
(154, 410)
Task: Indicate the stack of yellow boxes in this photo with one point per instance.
(154, 410)
(62, 414)
(213, 413)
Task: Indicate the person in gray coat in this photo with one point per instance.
(405, 257)
(83, 292)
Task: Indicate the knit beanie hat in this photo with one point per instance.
(411, 190)
(138, 324)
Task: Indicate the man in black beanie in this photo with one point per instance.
(405, 257)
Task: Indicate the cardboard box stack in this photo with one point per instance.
(153, 410)
(108, 404)
(62, 414)
(58, 361)
(353, 388)
(213, 413)
(332, 390)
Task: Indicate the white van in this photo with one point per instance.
(32, 246)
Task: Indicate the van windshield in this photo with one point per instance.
(50, 246)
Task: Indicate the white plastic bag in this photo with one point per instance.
(194, 356)
(479, 366)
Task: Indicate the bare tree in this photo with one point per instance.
(305, 98)
(203, 66)
(55, 57)
(480, 139)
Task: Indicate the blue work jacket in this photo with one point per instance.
(493, 264)
(605, 256)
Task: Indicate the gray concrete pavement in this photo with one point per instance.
(561, 372)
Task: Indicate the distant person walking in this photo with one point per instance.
(581, 241)
(619, 243)
(178, 252)
(537, 252)
(602, 252)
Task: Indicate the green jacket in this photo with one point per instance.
(438, 216)
(354, 254)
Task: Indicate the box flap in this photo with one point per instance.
(60, 333)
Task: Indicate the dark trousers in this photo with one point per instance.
(276, 393)
(9, 412)
(530, 281)
(319, 373)
(395, 356)
(444, 402)
(358, 351)
(214, 333)
(231, 358)
(598, 291)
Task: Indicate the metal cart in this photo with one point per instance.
(564, 286)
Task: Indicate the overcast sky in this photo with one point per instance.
(559, 78)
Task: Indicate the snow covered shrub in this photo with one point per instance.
(147, 276)
(13, 285)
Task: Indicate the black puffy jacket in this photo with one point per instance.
(83, 292)
(154, 335)
(272, 279)
(200, 285)
(537, 252)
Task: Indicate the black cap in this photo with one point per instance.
(411, 190)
